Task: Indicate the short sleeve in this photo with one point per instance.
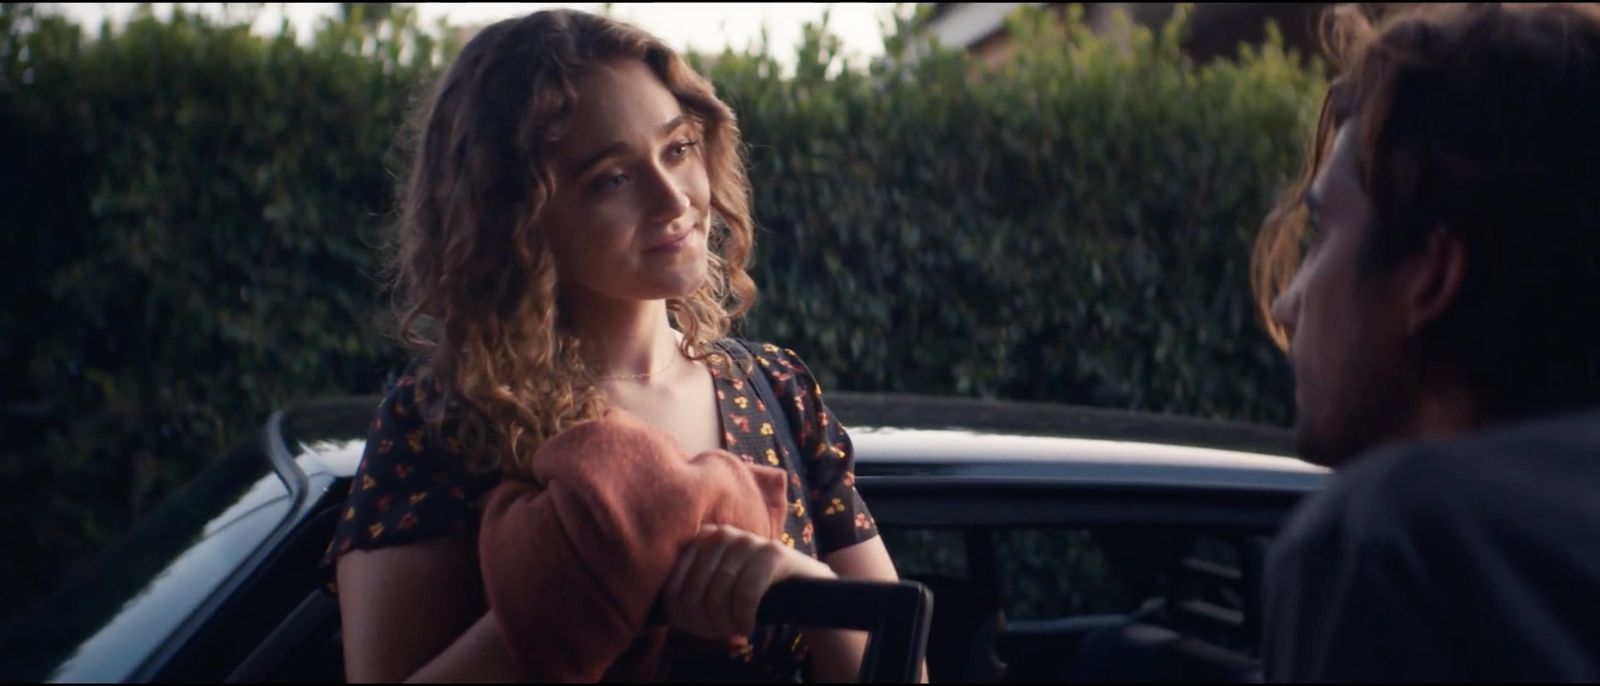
(408, 487)
(840, 515)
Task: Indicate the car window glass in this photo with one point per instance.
(1047, 573)
(143, 587)
(926, 551)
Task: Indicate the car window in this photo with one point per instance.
(282, 625)
(1049, 573)
(926, 551)
(112, 611)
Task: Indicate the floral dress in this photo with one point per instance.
(409, 488)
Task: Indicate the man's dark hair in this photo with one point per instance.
(1482, 120)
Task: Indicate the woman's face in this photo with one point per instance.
(630, 215)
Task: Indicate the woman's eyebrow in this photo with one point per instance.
(617, 147)
(673, 124)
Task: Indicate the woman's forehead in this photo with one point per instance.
(622, 101)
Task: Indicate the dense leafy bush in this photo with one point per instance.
(1072, 228)
(190, 213)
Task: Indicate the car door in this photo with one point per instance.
(1051, 581)
(121, 614)
(284, 627)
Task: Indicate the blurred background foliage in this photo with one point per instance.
(190, 213)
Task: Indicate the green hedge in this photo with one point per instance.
(190, 212)
(1073, 228)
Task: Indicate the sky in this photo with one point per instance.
(707, 27)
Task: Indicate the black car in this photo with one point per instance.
(1059, 543)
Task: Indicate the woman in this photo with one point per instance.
(574, 238)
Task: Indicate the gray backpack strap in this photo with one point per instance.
(744, 354)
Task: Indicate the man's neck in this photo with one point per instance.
(1446, 413)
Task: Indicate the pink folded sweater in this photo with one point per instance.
(572, 572)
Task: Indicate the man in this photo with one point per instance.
(1435, 279)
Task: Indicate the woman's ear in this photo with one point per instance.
(1435, 278)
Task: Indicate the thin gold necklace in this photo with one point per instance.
(646, 375)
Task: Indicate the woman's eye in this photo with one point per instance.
(613, 182)
(681, 148)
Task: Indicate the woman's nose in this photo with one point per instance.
(669, 197)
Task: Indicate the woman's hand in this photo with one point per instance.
(721, 577)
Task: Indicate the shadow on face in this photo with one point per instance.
(1354, 386)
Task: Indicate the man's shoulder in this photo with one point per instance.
(1565, 434)
(1458, 539)
(1501, 477)
(1356, 505)
(1499, 463)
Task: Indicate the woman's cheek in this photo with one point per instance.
(700, 185)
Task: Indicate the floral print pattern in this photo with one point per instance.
(411, 486)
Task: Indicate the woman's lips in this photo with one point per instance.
(672, 244)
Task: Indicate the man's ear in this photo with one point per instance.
(1435, 277)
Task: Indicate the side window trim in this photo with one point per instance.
(318, 606)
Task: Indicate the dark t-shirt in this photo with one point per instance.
(410, 487)
(1471, 559)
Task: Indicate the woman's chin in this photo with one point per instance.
(678, 286)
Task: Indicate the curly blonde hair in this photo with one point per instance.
(473, 278)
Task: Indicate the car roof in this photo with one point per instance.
(911, 436)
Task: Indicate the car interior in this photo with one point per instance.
(1091, 605)
(1011, 604)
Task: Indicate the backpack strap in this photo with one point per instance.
(743, 353)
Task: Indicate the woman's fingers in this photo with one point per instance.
(672, 598)
(795, 564)
(744, 550)
(710, 546)
(752, 584)
(738, 548)
(721, 576)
